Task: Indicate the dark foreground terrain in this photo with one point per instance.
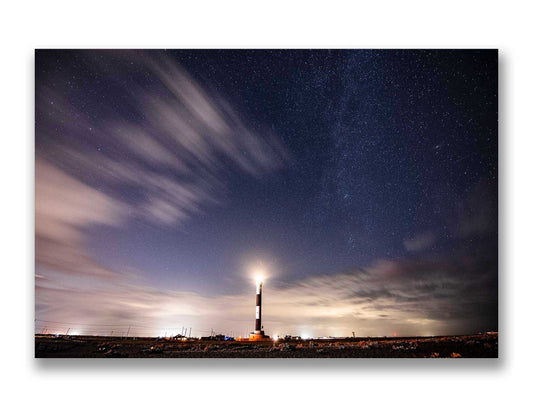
(468, 346)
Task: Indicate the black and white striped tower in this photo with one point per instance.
(258, 294)
(258, 334)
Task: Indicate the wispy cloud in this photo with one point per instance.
(63, 206)
(172, 146)
(420, 242)
(425, 297)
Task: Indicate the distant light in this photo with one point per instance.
(305, 336)
(276, 337)
(258, 271)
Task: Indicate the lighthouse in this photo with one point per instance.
(258, 334)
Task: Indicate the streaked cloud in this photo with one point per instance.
(172, 146)
(420, 242)
(63, 207)
(424, 297)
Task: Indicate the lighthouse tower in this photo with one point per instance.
(258, 334)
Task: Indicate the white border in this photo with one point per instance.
(158, 24)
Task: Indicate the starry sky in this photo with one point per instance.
(362, 184)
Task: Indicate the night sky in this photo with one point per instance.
(362, 184)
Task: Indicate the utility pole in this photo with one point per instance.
(128, 331)
(68, 330)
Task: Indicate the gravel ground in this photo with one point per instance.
(467, 346)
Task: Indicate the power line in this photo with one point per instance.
(98, 328)
(111, 325)
(44, 326)
(76, 323)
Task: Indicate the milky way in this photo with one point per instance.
(366, 182)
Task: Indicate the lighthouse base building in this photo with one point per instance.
(258, 337)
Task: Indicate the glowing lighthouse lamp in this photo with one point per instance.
(258, 334)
